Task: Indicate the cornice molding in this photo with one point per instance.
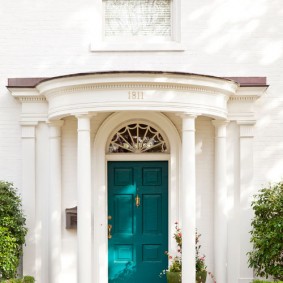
(243, 98)
(85, 89)
(29, 99)
(144, 80)
(27, 95)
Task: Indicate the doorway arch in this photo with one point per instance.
(100, 158)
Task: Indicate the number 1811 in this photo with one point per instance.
(135, 95)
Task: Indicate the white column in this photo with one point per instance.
(188, 198)
(246, 193)
(84, 199)
(55, 221)
(29, 195)
(220, 202)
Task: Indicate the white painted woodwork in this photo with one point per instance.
(55, 200)
(220, 202)
(246, 193)
(137, 91)
(188, 198)
(29, 195)
(84, 226)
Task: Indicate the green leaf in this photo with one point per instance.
(266, 258)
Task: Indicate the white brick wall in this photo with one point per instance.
(222, 38)
(10, 138)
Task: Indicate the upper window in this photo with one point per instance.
(137, 138)
(137, 25)
(137, 18)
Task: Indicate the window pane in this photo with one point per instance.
(137, 18)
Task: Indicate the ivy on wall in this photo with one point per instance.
(12, 230)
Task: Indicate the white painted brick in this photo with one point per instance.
(222, 38)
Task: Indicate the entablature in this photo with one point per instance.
(140, 90)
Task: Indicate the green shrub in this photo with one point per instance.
(25, 279)
(267, 233)
(12, 230)
(12, 280)
(28, 279)
(8, 255)
(263, 281)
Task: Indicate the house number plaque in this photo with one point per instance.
(135, 95)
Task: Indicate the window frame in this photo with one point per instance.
(100, 44)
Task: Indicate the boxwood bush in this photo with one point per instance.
(266, 258)
(12, 230)
(25, 279)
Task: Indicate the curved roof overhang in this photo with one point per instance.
(135, 91)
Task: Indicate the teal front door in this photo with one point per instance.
(137, 221)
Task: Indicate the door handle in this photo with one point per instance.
(137, 199)
(109, 231)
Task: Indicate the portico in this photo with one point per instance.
(98, 104)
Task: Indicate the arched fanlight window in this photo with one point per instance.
(137, 138)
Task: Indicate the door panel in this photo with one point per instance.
(152, 213)
(139, 235)
(123, 209)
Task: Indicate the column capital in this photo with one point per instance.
(28, 123)
(246, 122)
(219, 123)
(55, 128)
(187, 115)
(84, 115)
(246, 129)
(188, 121)
(55, 123)
(220, 128)
(28, 131)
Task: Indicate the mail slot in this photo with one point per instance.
(71, 217)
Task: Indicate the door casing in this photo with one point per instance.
(100, 158)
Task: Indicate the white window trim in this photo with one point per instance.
(98, 44)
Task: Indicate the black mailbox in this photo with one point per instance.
(71, 217)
